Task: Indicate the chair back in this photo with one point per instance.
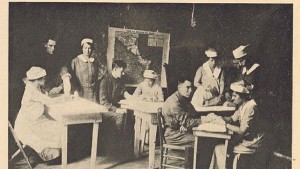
(161, 127)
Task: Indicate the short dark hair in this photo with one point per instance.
(182, 78)
(119, 63)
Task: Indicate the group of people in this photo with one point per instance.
(180, 114)
(49, 77)
(49, 80)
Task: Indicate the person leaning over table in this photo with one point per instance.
(34, 126)
(246, 69)
(148, 90)
(58, 74)
(112, 90)
(209, 80)
(248, 136)
(85, 68)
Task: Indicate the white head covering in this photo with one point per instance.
(150, 74)
(240, 87)
(211, 53)
(239, 52)
(86, 40)
(35, 73)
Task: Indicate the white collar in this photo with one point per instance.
(85, 58)
(253, 67)
(207, 69)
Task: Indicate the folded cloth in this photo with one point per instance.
(212, 127)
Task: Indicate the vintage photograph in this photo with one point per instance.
(150, 85)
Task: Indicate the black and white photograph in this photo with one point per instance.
(122, 85)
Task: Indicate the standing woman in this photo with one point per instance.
(85, 69)
(209, 80)
(247, 70)
(248, 135)
(34, 126)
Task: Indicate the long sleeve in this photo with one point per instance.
(104, 95)
(222, 83)
(138, 91)
(198, 76)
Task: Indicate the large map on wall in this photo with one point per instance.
(141, 50)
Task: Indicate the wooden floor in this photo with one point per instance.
(121, 162)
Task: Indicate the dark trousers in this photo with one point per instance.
(116, 133)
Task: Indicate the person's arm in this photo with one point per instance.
(138, 91)
(198, 77)
(222, 83)
(103, 96)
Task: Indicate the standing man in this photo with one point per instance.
(58, 79)
(111, 91)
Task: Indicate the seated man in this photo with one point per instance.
(148, 90)
(111, 92)
(179, 115)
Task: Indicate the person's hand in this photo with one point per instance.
(127, 95)
(183, 129)
(227, 96)
(121, 111)
(55, 90)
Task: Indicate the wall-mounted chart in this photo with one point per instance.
(141, 50)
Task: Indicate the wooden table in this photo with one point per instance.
(77, 111)
(200, 133)
(214, 109)
(144, 112)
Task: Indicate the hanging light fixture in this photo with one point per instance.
(193, 20)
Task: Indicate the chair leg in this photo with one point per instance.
(165, 158)
(188, 157)
(19, 144)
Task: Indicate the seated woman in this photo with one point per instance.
(209, 80)
(248, 136)
(34, 126)
(148, 90)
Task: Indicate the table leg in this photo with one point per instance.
(94, 145)
(143, 135)
(137, 132)
(64, 147)
(226, 146)
(195, 153)
(152, 139)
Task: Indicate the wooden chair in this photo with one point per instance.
(21, 148)
(164, 148)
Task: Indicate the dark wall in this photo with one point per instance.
(268, 28)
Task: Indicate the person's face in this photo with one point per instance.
(236, 98)
(50, 46)
(150, 82)
(185, 89)
(86, 49)
(242, 62)
(41, 81)
(119, 72)
(212, 62)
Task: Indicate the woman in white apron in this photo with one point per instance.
(209, 80)
(34, 126)
(248, 136)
